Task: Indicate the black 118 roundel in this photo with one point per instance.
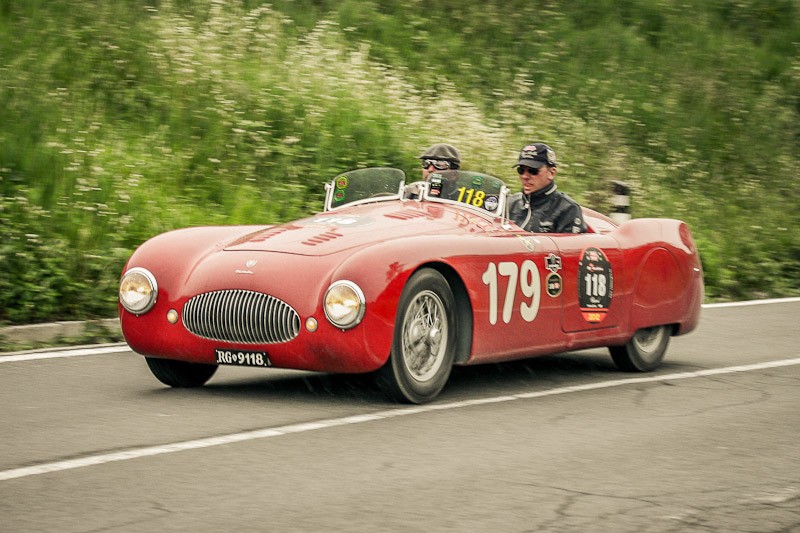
(595, 285)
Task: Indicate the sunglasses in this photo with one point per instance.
(529, 170)
(438, 164)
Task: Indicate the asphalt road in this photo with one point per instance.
(709, 442)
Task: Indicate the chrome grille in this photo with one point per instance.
(241, 316)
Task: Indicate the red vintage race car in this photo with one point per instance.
(406, 280)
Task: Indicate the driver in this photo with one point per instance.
(438, 157)
(540, 208)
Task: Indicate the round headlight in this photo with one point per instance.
(344, 304)
(138, 290)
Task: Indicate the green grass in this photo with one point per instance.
(120, 120)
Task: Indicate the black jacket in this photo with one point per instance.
(546, 211)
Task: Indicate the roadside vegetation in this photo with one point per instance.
(121, 119)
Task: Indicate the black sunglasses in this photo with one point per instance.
(532, 171)
(438, 164)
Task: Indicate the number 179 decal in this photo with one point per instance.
(525, 277)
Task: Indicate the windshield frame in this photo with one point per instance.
(466, 189)
(367, 185)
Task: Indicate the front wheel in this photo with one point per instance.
(423, 348)
(180, 373)
(644, 352)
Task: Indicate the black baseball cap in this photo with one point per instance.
(536, 155)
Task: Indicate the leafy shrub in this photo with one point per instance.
(120, 120)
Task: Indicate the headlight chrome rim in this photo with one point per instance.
(344, 304)
(143, 305)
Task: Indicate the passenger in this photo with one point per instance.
(540, 208)
(439, 157)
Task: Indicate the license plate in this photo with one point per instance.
(241, 358)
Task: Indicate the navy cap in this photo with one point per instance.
(536, 155)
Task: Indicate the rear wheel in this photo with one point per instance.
(424, 340)
(180, 373)
(644, 352)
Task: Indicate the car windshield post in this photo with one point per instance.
(505, 216)
(414, 191)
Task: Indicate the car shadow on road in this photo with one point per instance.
(466, 382)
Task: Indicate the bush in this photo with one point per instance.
(120, 120)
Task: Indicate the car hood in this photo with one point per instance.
(339, 230)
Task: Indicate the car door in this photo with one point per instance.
(586, 274)
(513, 315)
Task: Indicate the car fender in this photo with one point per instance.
(382, 287)
(668, 281)
(190, 245)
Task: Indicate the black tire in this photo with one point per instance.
(644, 352)
(424, 342)
(180, 373)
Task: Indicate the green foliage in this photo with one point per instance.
(120, 120)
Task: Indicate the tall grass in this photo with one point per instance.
(120, 120)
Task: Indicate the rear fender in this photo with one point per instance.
(668, 284)
(660, 288)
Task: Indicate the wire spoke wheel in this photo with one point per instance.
(644, 351)
(425, 326)
(648, 342)
(424, 340)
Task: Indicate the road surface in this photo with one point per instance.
(709, 442)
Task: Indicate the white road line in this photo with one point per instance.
(752, 302)
(265, 433)
(32, 356)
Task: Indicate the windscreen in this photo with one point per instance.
(364, 184)
(472, 188)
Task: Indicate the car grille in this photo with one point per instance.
(241, 316)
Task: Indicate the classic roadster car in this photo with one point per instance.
(405, 281)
